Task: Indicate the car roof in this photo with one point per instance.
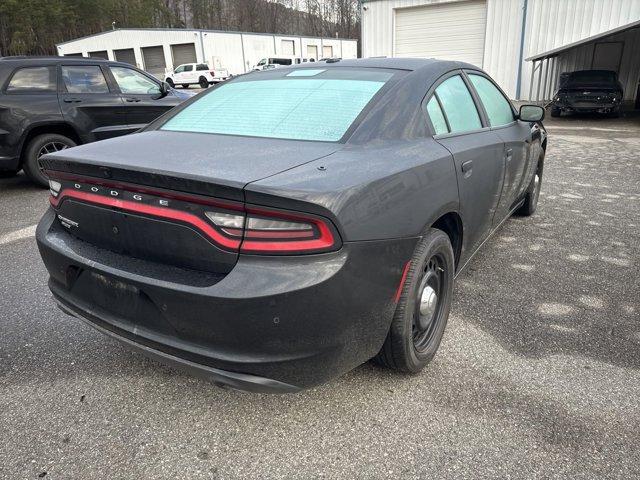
(592, 71)
(410, 64)
(53, 59)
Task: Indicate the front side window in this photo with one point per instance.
(133, 82)
(458, 106)
(180, 69)
(497, 107)
(262, 62)
(320, 106)
(33, 80)
(84, 79)
(437, 118)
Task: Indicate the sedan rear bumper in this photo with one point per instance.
(585, 107)
(271, 324)
(222, 378)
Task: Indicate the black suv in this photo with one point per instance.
(51, 103)
(597, 91)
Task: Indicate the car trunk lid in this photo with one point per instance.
(147, 195)
(221, 165)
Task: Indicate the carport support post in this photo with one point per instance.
(539, 82)
(551, 77)
(533, 71)
(546, 75)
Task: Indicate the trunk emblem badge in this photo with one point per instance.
(67, 223)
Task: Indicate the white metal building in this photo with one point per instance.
(509, 38)
(158, 50)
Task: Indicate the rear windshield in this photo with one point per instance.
(593, 76)
(302, 104)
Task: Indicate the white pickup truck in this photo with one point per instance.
(196, 74)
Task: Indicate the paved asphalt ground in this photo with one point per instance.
(538, 375)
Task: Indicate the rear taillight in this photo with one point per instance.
(230, 225)
(213, 73)
(270, 231)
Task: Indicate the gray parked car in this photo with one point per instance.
(290, 224)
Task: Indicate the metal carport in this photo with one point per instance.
(615, 49)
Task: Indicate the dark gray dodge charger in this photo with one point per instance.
(289, 225)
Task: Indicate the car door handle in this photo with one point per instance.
(467, 167)
(131, 100)
(508, 154)
(72, 100)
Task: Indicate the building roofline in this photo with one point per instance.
(199, 30)
(556, 51)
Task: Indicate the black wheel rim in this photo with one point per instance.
(429, 302)
(50, 147)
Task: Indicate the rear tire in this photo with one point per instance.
(204, 83)
(555, 112)
(170, 83)
(185, 85)
(423, 308)
(530, 204)
(38, 146)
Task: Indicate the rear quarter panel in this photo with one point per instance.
(373, 192)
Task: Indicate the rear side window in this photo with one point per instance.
(84, 79)
(202, 66)
(458, 106)
(33, 80)
(188, 68)
(437, 118)
(497, 107)
(320, 105)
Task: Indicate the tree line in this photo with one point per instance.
(33, 27)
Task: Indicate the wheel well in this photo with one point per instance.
(451, 224)
(60, 129)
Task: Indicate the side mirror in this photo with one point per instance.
(531, 113)
(163, 90)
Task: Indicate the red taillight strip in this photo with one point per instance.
(230, 205)
(145, 209)
(324, 241)
(405, 271)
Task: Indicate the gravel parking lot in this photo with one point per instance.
(538, 375)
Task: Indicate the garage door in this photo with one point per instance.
(452, 31)
(125, 55)
(99, 54)
(312, 52)
(287, 47)
(154, 60)
(183, 53)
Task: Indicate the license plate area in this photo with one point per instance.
(128, 306)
